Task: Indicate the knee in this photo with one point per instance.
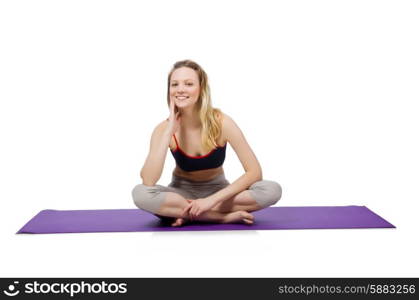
(277, 191)
(273, 191)
(139, 193)
(266, 192)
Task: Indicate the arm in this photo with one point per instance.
(253, 171)
(153, 166)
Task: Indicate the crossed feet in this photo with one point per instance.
(240, 216)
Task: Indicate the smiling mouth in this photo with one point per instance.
(182, 97)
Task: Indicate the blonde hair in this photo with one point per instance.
(210, 117)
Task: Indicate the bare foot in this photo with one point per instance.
(240, 216)
(178, 222)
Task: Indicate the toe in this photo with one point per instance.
(247, 221)
(177, 222)
(247, 215)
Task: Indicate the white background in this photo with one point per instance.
(324, 91)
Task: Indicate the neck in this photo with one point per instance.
(190, 118)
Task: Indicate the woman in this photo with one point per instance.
(197, 135)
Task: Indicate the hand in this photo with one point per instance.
(197, 207)
(174, 118)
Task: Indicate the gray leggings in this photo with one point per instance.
(150, 198)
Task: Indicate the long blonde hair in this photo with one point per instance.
(210, 117)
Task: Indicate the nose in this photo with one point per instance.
(180, 89)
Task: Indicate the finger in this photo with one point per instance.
(185, 210)
(172, 105)
(195, 211)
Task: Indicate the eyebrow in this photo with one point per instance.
(183, 80)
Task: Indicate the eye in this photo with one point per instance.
(174, 84)
(190, 83)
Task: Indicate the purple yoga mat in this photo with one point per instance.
(128, 220)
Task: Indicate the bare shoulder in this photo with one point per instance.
(160, 129)
(227, 122)
(161, 126)
(229, 127)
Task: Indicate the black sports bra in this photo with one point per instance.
(186, 162)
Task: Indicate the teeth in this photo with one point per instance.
(181, 97)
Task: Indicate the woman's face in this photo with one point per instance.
(184, 87)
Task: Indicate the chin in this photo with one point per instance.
(183, 105)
